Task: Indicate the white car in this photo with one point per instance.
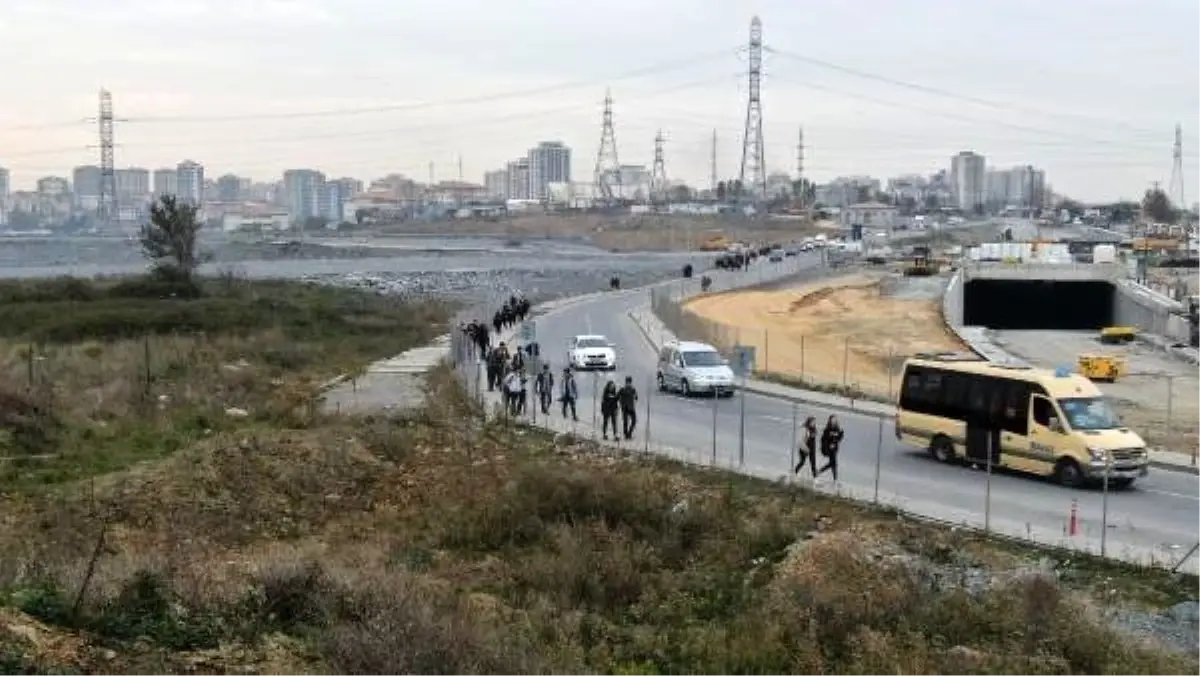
(587, 352)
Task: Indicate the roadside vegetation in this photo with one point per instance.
(293, 540)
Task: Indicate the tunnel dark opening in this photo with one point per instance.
(1026, 304)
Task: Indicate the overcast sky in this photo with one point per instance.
(1090, 90)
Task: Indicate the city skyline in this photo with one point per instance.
(260, 121)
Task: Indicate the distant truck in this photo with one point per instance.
(1104, 253)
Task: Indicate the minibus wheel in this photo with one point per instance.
(1068, 473)
(942, 449)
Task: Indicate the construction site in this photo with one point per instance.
(1040, 306)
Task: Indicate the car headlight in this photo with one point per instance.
(1097, 453)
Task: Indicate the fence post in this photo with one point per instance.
(766, 350)
(646, 429)
(802, 359)
(1104, 505)
(795, 440)
(742, 426)
(891, 358)
(987, 495)
(845, 363)
(595, 396)
(878, 460)
(714, 427)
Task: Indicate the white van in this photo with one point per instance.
(694, 368)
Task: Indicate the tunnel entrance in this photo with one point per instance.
(1026, 304)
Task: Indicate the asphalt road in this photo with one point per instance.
(1158, 518)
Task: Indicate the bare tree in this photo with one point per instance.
(169, 240)
(1158, 206)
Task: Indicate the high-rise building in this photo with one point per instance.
(166, 182)
(518, 179)
(348, 187)
(133, 183)
(229, 188)
(5, 191)
(495, 183)
(86, 183)
(190, 179)
(968, 180)
(549, 162)
(53, 186)
(305, 194)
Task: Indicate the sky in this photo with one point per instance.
(1089, 90)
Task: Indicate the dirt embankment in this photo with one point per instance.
(851, 331)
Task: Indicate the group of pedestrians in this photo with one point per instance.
(829, 441)
(623, 399)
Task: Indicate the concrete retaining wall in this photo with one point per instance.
(1150, 311)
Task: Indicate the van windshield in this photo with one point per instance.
(592, 342)
(1089, 413)
(703, 358)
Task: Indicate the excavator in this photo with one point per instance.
(922, 263)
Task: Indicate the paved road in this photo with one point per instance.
(1156, 519)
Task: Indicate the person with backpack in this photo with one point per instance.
(523, 393)
(808, 447)
(518, 360)
(543, 387)
(629, 397)
(831, 441)
(609, 402)
(495, 368)
(570, 393)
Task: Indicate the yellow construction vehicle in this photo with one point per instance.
(922, 263)
(1118, 334)
(1101, 368)
(718, 243)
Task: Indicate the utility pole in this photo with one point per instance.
(460, 171)
(712, 164)
(658, 173)
(753, 151)
(803, 194)
(1176, 185)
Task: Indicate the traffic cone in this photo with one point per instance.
(1073, 522)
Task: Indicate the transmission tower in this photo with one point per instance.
(658, 173)
(1176, 185)
(608, 168)
(800, 169)
(753, 175)
(106, 211)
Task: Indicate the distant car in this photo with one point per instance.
(776, 256)
(694, 368)
(591, 352)
(791, 251)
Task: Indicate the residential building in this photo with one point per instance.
(910, 188)
(305, 194)
(549, 162)
(846, 190)
(5, 190)
(85, 180)
(166, 182)
(456, 192)
(229, 188)
(968, 180)
(633, 182)
(190, 179)
(496, 184)
(349, 187)
(401, 187)
(53, 198)
(779, 184)
(53, 186)
(133, 185)
(518, 179)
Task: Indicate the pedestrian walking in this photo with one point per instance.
(570, 394)
(543, 387)
(495, 368)
(609, 405)
(512, 392)
(808, 447)
(523, 394)
(518, 360)
(628, 396)
(831, 441)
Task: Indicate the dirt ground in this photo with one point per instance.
(632, 233)
(852, 331)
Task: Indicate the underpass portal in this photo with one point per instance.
(1022, 305)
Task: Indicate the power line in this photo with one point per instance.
(676, 64)
(753, 148)
(935, 91)
(950, 115)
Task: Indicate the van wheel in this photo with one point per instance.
(1068, 473)
(1119, 484)
(662, 383)
(685, 389)
(942, 449)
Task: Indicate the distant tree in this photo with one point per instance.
(681, 193)
(863, 194)
(169, 239)
(1123, 212)
(734, 188)
(804, 190)
(19, 219)
(1157, 206)
(932, 203)
(907, 205)
(1074, 208)
(722, 191)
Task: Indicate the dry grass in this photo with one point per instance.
(436, 543)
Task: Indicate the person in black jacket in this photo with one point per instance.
(609, 402)
(831, 441)
(543, 387)
(482, 339)
(628, 396)
(498, 321)
(808, 447)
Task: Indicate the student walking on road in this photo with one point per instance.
(512, 392)
(570, 393)
(609, 402)
(808, 447)
(831, 441)
(543, 387)
(628, 397)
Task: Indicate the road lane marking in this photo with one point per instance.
(1170, 494)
